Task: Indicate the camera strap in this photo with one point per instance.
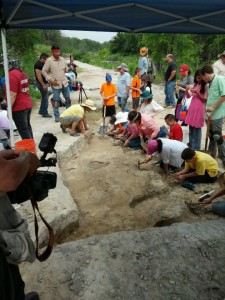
(48, 250)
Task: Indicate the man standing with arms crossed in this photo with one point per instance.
(123, 87)
(170, 79)
(42, 85)
(54, 72)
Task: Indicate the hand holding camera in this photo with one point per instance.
(37, 184)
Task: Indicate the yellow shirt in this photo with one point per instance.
(203, 162)
(74, 110)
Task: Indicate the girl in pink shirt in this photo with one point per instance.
(131, 136)
(148, 129)
(196, 111)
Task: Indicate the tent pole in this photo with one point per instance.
(6, 70)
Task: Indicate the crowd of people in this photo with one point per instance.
(198, 99)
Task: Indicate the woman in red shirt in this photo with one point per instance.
(20, 100)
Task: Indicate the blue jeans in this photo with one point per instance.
(216, 139)
(218, 208)
(5, 143)
(43, 110)
(135, 143)
(169, 92)
(122, 102)
(195, 137)
(56, 98)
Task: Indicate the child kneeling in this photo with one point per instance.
(199, 167)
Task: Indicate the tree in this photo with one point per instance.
(21, 41)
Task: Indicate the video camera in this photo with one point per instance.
(78, 85)
(37, 186)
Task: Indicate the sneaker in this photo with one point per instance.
(189, 185)
(32, 296)
(63, 129)
(166, 106)
(46, 116)
(56, 120)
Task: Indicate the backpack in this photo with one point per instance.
(151, 70)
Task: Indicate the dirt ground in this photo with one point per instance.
(114, 253)
(113, 194)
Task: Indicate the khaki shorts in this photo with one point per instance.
(69, 120)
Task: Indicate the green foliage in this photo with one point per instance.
(193, 49)
(182, 46)
(41, 48)
(103, 53)
(125, 43)
(35, 94)
(21, 41)
(28, 60)
(51, 37)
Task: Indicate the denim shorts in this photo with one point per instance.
(69, 120)
(136, 102)
(218, 208)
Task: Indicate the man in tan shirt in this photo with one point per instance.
(219, 65)
(54, 71)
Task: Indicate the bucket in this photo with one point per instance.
(28, 145)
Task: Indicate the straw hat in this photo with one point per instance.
(89, 104)
(121, 117)
(221, 180)
(143, 51)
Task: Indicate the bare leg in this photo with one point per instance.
(81, 126)
(66, 126)
(74, 126)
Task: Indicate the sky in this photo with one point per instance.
(91, 35)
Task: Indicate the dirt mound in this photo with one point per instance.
(113, 194)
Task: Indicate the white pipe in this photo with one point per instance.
(6, 70)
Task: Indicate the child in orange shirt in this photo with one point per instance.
(119, 122)
(108, 92)
(176, 132)
(136, 89)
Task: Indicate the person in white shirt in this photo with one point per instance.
(219, 65)
(149, 106)
(169, 152)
